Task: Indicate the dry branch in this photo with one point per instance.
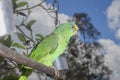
(20, 59)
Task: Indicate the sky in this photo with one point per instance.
(105, 16)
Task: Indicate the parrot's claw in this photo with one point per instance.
(56, 71)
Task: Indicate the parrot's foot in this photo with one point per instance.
(56, 71)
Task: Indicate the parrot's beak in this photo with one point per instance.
(76, 28)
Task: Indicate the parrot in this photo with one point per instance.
(52, 46)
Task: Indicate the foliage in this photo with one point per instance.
(85, 62)
(86, 28)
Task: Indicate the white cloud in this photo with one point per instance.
(113, 14)
(112, 58)
(63, 17)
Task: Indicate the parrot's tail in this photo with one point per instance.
(25, 74)
(23, 78)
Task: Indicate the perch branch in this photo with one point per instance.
(20, 59)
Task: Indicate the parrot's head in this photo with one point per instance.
(75, 29)
(67, 28)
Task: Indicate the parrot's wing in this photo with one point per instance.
(45, 47)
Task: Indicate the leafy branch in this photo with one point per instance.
(29, 8)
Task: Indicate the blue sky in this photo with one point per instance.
(96, 9)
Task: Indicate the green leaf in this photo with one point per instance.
(14, 1)
(6, 40)
(39, 36)
(21, 13)
(21, 4)
(1, 59)
(14, 44)
(21, 38)
(29, 24)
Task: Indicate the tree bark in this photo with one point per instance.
(20, 59)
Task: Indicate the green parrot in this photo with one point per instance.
(51, 46)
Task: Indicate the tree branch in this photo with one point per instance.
(20, 59)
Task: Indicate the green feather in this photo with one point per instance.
(23, 78)
(47, 46)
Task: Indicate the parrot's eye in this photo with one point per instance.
(72, 27)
